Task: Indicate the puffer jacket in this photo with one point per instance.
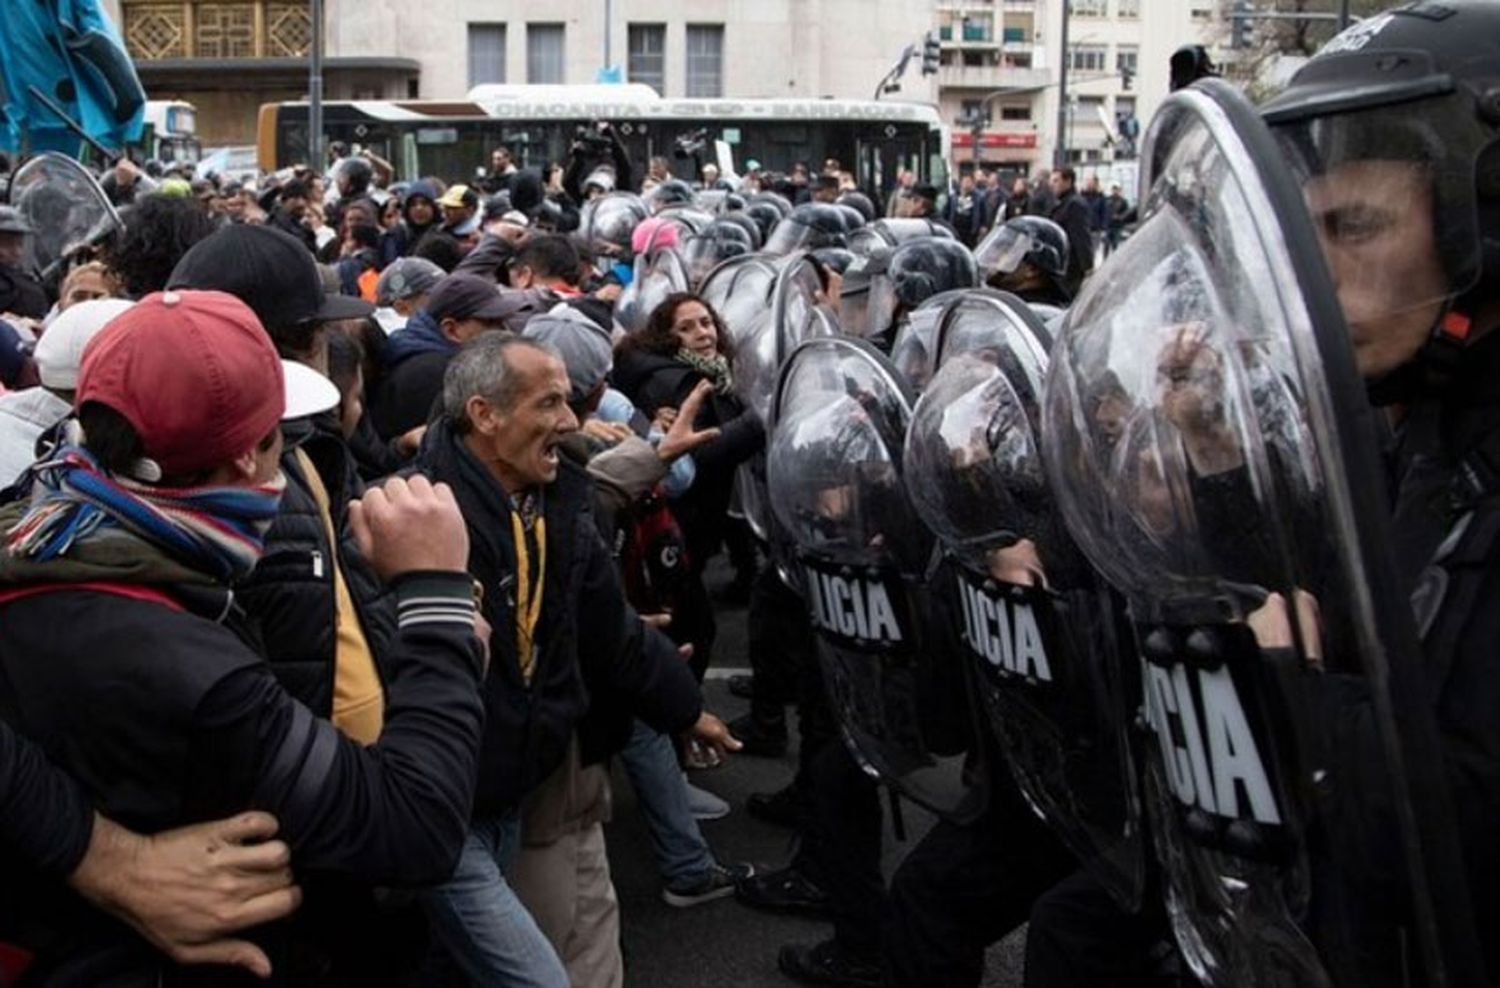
(289, 595)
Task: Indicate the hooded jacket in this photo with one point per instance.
(415, 359)
(592, 646)
(401, 239)
(24, 416)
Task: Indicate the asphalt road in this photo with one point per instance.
(724, 944)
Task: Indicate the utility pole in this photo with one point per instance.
(315, 91)
(609, 23)
(1343, 14)
(1060, 151)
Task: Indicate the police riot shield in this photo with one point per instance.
(914, 352)
(65, 207)
(1211, 447)
(972, 322)
(659, 272)
(793, 313)
(895, 232)
(1040, 632)
(739, 290)
(606, 222)
(836, 484)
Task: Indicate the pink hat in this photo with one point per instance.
(653, 233)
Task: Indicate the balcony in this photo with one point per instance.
(991, 77)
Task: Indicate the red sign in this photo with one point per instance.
(994, 139)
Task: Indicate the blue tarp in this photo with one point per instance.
(72, 52)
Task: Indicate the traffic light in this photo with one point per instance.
(932, 54)
(1242, 30)
(1127, 79)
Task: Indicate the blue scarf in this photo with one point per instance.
(215, 530)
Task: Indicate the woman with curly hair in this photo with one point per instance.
(158, 231)
(684, 342)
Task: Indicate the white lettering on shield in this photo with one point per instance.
(1006, 634)
(1212, 762)
(853, 608)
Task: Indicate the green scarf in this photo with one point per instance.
(715, 368)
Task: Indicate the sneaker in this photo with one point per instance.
(758, 739)
(827, 963)
(703, 804)
(742, 686)
(784, 891)
(719, 881)
(782, 808)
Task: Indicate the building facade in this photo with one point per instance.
(229, 56)
(999, 77)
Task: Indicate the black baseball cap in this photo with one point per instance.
(270, 271)
(466, 296)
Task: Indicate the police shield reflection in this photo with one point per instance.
(837, 488)
(1210, 445)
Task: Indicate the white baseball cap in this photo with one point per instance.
(60, 350)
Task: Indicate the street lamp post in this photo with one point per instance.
(1060, 151)
(315, 91)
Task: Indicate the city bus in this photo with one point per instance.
(170, 134)
(538, 124)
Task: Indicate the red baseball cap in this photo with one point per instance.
(193, 372)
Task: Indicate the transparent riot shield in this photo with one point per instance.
(837, 488)
(794, 312)
(659, 272)
(1211, 447)
(915, 350)
(1041, 633)
(974, 320)
(65, 208)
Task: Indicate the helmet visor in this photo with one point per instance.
(1392, 194)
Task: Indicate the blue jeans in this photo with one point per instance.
(481, 924)
(651, 762)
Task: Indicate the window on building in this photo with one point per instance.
(970, 108)
(1201, 13)
(1088, 109)
(156, 29)
(1086, 58)
(1127, 59)
(648, 55)
(1015, 113)
(544, 53)
(1129, 8)
(1088, 8)
(1125, 105)
(705, 60)
(486, 53)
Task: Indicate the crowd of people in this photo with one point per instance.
(354, 527)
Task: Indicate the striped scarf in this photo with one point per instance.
(215, 530)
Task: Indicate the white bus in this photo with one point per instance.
(171, 132)
(450, 139)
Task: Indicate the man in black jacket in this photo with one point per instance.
(139, 682)
(560, 620)
(1072, 214)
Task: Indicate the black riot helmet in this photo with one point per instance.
(765, 216)
(718, 241)
(1024, 240)
(745, 222)
(861, 203)
(1404, 109)
(810, 225)
(853, 218)
(927, 266)
(672, 192)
